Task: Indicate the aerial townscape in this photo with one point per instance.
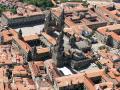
(59, 44)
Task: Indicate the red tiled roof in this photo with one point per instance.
(31, 37)
(9, 34)
(109, 30)
(49, 38)
(23, 45)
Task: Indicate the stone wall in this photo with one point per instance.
(116, 44)
(23, 20)
(21, 51)
(100, 37)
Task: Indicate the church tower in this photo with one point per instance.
(58, 49)
(62, 19)
(48, 21)
(20, 34)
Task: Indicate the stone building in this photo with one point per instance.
(76, 14)
(91, 80)
(58, 49)
(109, 13)
(7, 35)
(109, 35)
(52, 24)
(24, 16)
(31, 48)
(103, 14)
(23, 48)
(59, 54)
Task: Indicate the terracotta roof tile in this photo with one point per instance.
(23, 45)
(9, 34)
(31, 37)
(42, 50)
(49, 38)
(110, 30)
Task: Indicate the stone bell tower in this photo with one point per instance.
(48, 21)
(58, 49)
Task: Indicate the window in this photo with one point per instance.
(10, 34)
(93, 20)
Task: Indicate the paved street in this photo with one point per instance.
(31, 30)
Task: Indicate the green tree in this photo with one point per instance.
(39, 3)
(5, 8)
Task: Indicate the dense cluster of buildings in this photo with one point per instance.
(78, 48)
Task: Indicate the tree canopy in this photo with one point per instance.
(5, 8)
(39, 3)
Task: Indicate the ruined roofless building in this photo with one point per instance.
(58, 49)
